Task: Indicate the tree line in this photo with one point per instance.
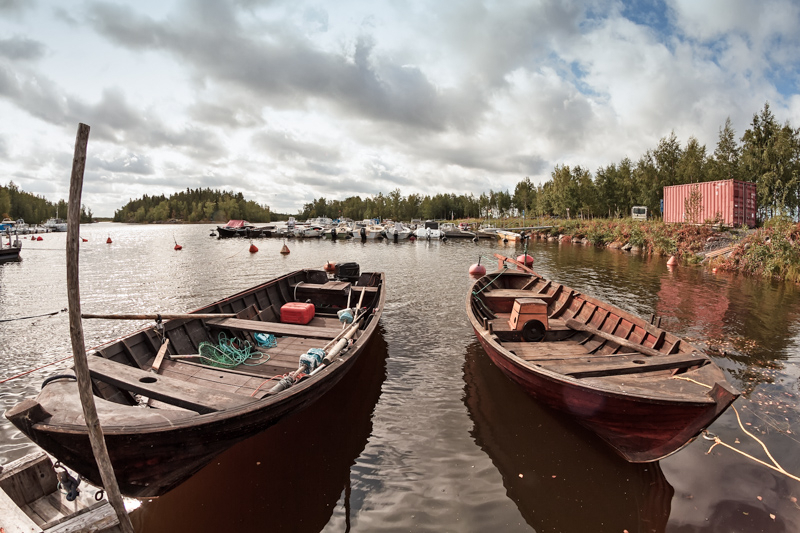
(768, 153)
(33, 209)
(193, 205)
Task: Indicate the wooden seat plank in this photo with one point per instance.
(597, 366)
(276, 328)
(531, 351)
(193, 396)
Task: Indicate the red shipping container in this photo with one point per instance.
(297, 313)
(733, 201)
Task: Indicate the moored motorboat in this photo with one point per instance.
(644, 391)
(451, 231)
(9, 251)
(429, 230)
(398, 232)
(168, 405)
(508, 236)
(235, 228)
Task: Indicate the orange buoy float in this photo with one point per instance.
(329, 267)
(526, 260)
(477, 270)
(253, 248)
(108, 241)
(284, 249)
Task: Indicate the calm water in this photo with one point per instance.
(437, 439)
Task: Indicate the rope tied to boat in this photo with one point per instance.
(476, 293)
(230, 353)
(712, 437)
(66, 483)
(34, 316)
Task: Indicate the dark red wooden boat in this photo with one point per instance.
(645, 391)
(163, 425)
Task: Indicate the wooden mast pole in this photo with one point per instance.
(76, 333)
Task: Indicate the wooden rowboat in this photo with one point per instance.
(164, 419)
(644, 391)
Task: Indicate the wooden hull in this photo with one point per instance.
(647, 403)
(208, 409)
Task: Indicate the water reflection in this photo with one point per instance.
(292, 476)
(561, 477)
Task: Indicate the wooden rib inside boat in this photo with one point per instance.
(163, 425)
(643, 390)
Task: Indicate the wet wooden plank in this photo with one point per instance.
(199, 398)
(276, 328)
(617, 365)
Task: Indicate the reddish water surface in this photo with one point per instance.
(426, 434)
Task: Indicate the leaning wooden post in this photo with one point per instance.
(76, 333)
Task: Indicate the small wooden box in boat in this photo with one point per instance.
(526, 309)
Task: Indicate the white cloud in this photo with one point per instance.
(288, 101)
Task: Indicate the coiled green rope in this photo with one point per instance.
(230, 353)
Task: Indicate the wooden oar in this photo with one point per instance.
(580, 326)
(156, 368)
(163, 316)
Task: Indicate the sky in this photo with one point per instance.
(291, 101)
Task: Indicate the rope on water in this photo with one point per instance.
(230, 353)
(774, 466)
(33, 316)
(710, 436)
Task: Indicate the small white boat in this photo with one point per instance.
(508, 236)
(398, 232)
(55, 224)
(375, 231)
(429, 230)
(342, 231)
(313, 231)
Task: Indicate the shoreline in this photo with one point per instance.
(771, 252)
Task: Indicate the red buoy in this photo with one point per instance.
(329, 267)
(477, 270)
(39, 238)
(525, 260)
(253, 248)
(285, 249)
(108, 241)
(84, 240)
(178, 246)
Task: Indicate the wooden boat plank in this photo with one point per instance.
(631, 364)
(14, 518)
(276, 328)
(531, 351)
(28, 478)
(45, 511)
(198, 398)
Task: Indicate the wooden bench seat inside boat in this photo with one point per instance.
(276, 328)
(192, 396)
(612, 365)
(502, 300)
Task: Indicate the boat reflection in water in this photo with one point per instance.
(287, 478)
(561, 476)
